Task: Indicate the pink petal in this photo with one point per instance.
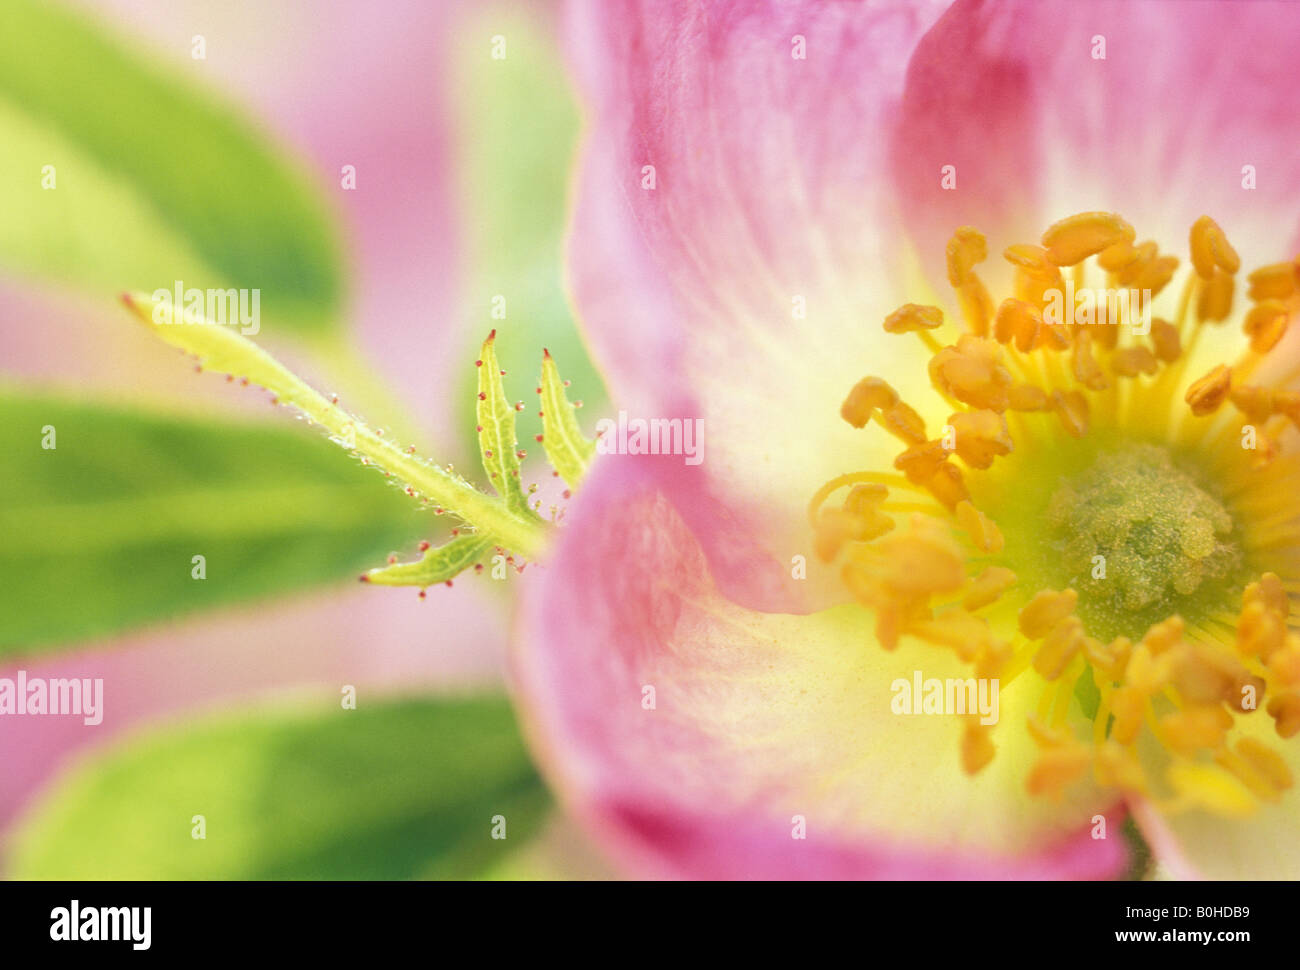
(757, 718)
(1159, 130)
(770, 187)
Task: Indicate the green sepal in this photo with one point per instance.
(438, 565)
(496, 432)
(567, 450)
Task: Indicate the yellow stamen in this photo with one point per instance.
(1074, 239)
(1148, 516)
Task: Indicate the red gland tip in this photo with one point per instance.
(423, 594)
(363, 578)
(424, 544)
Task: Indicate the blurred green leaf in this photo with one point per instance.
(99, 533)
(392, 790)
(155, 180)
(517, 130)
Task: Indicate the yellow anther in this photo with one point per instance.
(992, 658)
(1210, 787)
(1035, 289)
(988, 587)
(1209, 392)
(1195, 728)
(1127, 705)
(1164, 635)
(1033, 261)
(1257, 404)
(912, 317)
(973, 372)
(1072, 408)
(1165, 341)
(1026, 397)
(1269, 591)
(980, 436)
(1013, 316)
(1131, 361)
(920, 462)
(927, 560)
(868, 396)
(1023, 322)
(1214, 302)
(948, 486)
(1205, 674)
(1152, 276)
(1108, 659)
(1259, 631)
(1146, 672)
(1059, 647)
(1136, 258)
(902, 421)
(966, 248)
(890, 620)
(1288, 403)
(982, 530)
(1058, 768)
(1276, 281)
(835, 527)
(1284, 664)
(1210, 248)
(1085, 367)
(964, 632)
(865, 497)
(1117, 767)
(1119, 256)
(1077, 237)
(1045, 610)
(1265, 325)
(977, 748)
(976, 305)
(1104, 334)
(1284, 709)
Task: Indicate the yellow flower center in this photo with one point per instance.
(1092, 516)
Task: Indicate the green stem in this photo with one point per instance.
(223, 349)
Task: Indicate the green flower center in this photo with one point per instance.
(1140, 539)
